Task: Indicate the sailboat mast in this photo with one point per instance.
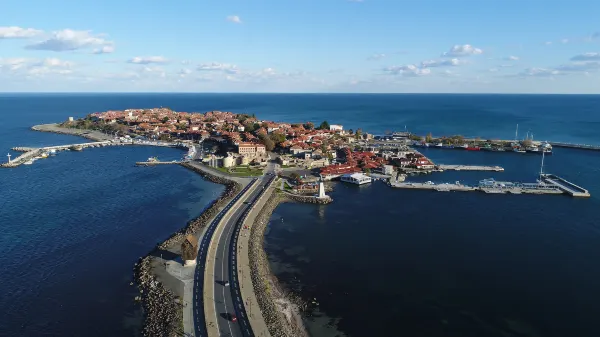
(517, 133)
(542, 167)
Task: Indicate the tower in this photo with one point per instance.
(321, 191)
(8, 155)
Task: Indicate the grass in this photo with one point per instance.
(241, 171)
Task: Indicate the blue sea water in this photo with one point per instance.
(381, 262)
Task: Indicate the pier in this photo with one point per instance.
(440, 187)
(565, 186)
(470, 168)
(576, 146)
(152, 163)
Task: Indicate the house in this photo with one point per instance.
(335, 127)
(189, 249)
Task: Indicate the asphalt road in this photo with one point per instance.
(228, 301)
(198, 302)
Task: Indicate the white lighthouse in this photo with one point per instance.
(8, 155)
(322, 194)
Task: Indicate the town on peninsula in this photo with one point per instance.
(213, 277)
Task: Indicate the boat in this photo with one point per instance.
(52, 152)
(498, 149)
(356, 178)
(519, 150)
(439, 145)
(152, 159)
(473, 148)
(447, 146)
(44, 155)
(533, 149)
(29, 162)
(486, 147)
(464, 146)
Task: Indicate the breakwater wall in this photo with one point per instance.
(281, 310)
(162, 313)
(55, 128)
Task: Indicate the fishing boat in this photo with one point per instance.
(439, 145)
(52, 152)
(473, 148)
(44, 155)
(519, 150)
(464, 146)
(486, 147)
(152, 159)
(447, 146)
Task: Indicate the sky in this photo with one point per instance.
(387, 46)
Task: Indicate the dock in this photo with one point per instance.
(152, 163)
(470, 168)
(576, 146)
(439, 187)
(565, 186)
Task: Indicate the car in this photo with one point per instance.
(227, 283)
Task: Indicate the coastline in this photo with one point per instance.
(163, 308)
(281, 310)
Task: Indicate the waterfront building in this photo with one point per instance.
(356, 178)
(189, 250)
(336, 127)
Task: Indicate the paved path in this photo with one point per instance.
(226, 300)
(257, 321)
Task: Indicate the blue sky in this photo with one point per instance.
(499, 46)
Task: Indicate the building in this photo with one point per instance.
(189, 250)
(335, 127)
(388, 169)
(251, 149)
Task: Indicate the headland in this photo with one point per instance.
(245, 154)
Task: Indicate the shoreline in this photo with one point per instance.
(281, 309)
(162, 308)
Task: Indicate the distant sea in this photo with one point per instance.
(378, 261)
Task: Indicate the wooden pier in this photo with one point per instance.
(470, 168)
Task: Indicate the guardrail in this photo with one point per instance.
(199, 318)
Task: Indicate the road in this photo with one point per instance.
(228, 299)
(198, 301)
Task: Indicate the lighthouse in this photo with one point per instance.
(322, 194)
(8, 155)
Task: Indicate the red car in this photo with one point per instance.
(233, 318)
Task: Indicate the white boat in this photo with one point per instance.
(356, 178)
(52, 151)
(439, 145)
(29, 162)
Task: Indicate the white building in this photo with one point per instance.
(356, 178)
(335, 127)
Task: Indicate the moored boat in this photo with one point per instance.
(473, 148)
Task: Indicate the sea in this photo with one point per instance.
(376, 262)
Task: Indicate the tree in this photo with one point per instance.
(267, 142)
(308, 125)
(165, 119)
(277, 138)
(324, 126)
(429, 138)
(350, 131)
(295, 177)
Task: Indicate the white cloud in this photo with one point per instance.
(69, 40)
(441, 63)
(234, 19)
(462, 50)
(184, 72)
(376, 57)
(579, 66)
(511, 58)
(13, 64)
(24, 67)
(148, 60)
(564, 41)
(214, 66)
(539, 72)
(14, 32)
(104, 50)
(548, 43)
(409, 70)
(586, 57)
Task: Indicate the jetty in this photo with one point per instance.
(576, 146)
(565, 186)
(445, 187)
(470, 168)
(152, 163)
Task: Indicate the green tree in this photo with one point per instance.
(324, 126)
(309, 125)
(267, 142)
(429, 138)
(277, 138)
(295, 177)
(165, 119)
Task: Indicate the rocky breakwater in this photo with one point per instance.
(309, 199)
(56, 128)
(281, 311)
(162, 308)
(231, 190)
